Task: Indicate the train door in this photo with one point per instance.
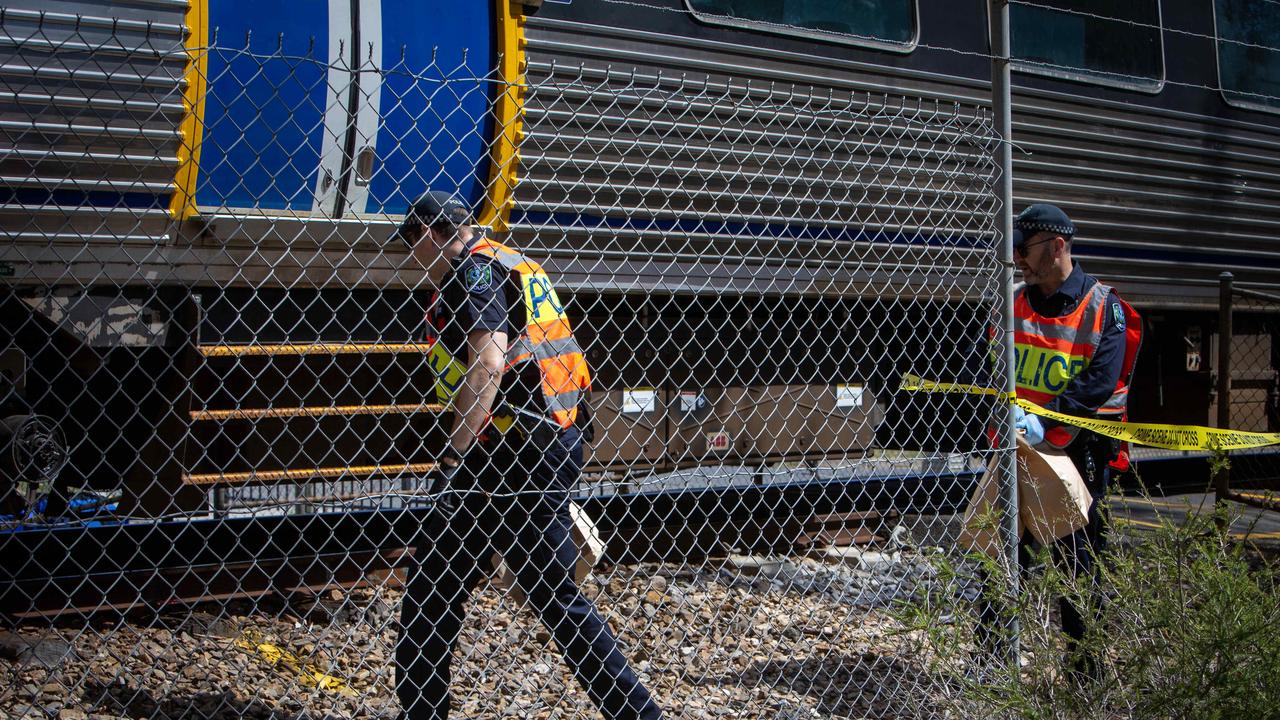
(267, 132)
(340, 108)
(428, 81)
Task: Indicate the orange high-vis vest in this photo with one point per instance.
(546, 338)
(1051, 351)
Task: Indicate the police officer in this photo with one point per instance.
(1075, 342)
(505, 359)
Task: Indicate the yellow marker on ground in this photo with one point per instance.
(308, 673)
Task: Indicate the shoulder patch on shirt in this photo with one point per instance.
(479, 277)
(1117, 313)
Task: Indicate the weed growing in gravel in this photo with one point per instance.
(1189, 627)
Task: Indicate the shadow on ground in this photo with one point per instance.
(845, 686)
(129, 701)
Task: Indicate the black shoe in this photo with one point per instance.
(1083, 669)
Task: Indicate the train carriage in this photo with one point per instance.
(754, 206)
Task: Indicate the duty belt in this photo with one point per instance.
(523, 422)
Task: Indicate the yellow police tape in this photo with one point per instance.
(1169, 437)
(308, 673)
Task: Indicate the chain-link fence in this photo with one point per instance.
(224, 425)
(1248, 394)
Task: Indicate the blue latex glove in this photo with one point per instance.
(1030, 425)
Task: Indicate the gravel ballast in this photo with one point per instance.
(737, 637)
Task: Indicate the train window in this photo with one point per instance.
(1249, 52)
(1098, 41)
(885, 24)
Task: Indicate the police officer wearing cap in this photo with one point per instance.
(1075, 342)
(505, 360)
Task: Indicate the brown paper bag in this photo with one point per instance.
(1052, 498)
(980, 531)
(586, 537)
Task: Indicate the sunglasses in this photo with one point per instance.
(1021, 250)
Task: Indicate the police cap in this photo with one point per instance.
(432, 209)
(1041, 217)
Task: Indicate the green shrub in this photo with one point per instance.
(1189, 628)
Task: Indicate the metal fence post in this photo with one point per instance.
(1001, 105)
(1222, 476)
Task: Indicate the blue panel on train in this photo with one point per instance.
(264, 112)
(435, 127)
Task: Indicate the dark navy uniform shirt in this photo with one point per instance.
(477, 294)
(1086, 392)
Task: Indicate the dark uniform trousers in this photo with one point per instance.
(521, 510)
(1077, 553)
